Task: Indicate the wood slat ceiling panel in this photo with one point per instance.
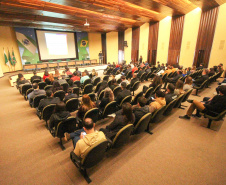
(103, 15)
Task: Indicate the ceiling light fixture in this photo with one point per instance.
(86, 24)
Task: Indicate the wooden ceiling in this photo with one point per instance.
(102, 15)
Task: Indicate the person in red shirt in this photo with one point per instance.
(46, 75)
(75, 77)
(134, 69)
(68, 72)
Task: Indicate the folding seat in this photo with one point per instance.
(135, 86)
(72, 104)
(60, 94)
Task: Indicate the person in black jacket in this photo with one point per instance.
(69, 95)
(122, 118)
(213, 106)
(140, 109)
(170, 96)
(174, 79)
(202, 78)
(134, 79)
(123, 93)
(108, 97)
(60, 114)
(35, 77)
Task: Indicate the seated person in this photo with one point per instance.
(35, 77)
(61, 79)
(134, 79)
(140, 109)
(69, 95)
(75, 77)
(108, 97)
(113, 84)
(121, 95)
(156, 81)
(48, 100)
(202, 78)
(122, 118)
(18, 79)
(67, 70)
(174, 79)
(200, 66)
(94, 76)
(103, 85)
(86, 105)
(170, 96)
(124, 80)
(34, 93)
(85, 137)
(84, 77)
(50, 79)
(211, 72)
(188, 83)
(71, 83)
(22, 81)
(128, 69)
(56, 86)
(179, 88)
(159, 101)
(118, 75)
(134, 69)
(46, 75)
(142, 71)
(57, 74)
(212, 107)
(60, 114)
(77, 71)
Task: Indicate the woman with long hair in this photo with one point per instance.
(59, 115)
(108, 97)
(156, 81)
(56, 86)
(86, 105)
(46, 75)
(179, 88)
(122, 118)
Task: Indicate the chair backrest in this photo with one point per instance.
(179, 100)
(119, 81)
(48, 111)
(170, 74)
(106, 78)
(129, 75)
(77, 82)
(96, 81)
(164, 76)
(37, 99)
(65, 86)
(169, 107)
(135, 86)
(47, 87)
(187, 94)
(86, 82)
(126, 99)
(128, 86)
(94, 154)
(136, 97)
(109, 83)
(157, 88)
(72, 104)
(110, 108)
(42, 85)
(29, 91)
(98, 87)
(76, 90)
(25, 87)
(93, 114)
(122, 137)
(158, 115)
(148, 75)
(143, 76)
(142, 124)
(116, 90)
(88, 89)
(92, 96)
(36, 81)
(68, 125)
(60, 94)
(148, 93)
(101, 95)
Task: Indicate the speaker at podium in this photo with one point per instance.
(101, 57)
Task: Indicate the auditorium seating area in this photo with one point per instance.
(172, 136)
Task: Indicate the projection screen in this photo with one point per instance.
(56, 45)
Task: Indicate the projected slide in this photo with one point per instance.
(56, 45)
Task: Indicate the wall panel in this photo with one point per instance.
(143, 43)
(135, 44)
(104, 47)
(121, 35)
(112, 47)
(94, 45)
(153, 42)
(205, 36)
(128, 50)
(176, 32)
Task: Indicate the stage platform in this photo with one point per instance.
(28, 75)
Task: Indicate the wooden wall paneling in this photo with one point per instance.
(153, 42)
(204, 43)
(121, 36)
(135, 44)
(176, 33)
(104, 47)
